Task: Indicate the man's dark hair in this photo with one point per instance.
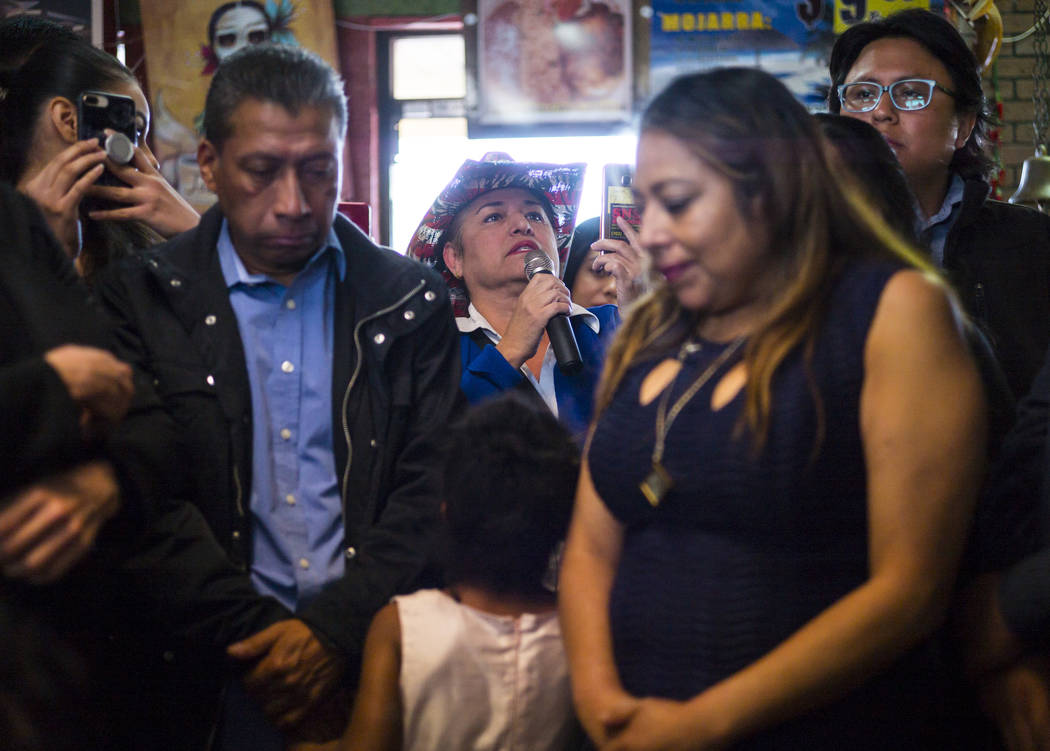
(283, 74)
(510, 473)
(865, 153)
(21, 34)
(937, 35)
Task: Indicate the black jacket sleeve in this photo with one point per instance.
(39, 422)
(42, 305)
(401, 543)
(181, 577)
(178, 573)
(1024, 598)
(1019, 500)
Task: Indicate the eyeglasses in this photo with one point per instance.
(909, 95)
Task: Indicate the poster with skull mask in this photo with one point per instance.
(186, 42)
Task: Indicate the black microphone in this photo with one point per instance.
(559, 330)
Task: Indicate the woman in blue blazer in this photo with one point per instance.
(478, 233)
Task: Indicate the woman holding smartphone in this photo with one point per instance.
(41, 154)
(602, 270)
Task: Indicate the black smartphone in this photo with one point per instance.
(618, 200)
(99, 111)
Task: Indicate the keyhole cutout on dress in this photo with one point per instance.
(729, 386)
(660, 377)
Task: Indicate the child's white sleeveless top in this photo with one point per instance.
(471, 680)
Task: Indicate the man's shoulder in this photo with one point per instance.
(182, 254)
(1002, 229)
(382, 275)
(190, 249)
(183, 267)
(1011, 218)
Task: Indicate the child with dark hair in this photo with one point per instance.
(480, 664)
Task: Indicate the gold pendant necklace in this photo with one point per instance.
(658, 482)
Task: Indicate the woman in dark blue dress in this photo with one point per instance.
(782, 472)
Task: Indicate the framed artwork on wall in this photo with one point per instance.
(548, 62)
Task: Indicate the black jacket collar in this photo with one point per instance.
(378, 280)
(975, 192)
(375, 276)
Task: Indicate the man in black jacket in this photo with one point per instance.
(912, 77)
(307, 369)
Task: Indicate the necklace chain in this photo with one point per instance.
(656, 485)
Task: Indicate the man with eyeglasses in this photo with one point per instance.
(907, 95)
(913, 78)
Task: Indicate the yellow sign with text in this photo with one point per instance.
(721, 21)
(850, 12)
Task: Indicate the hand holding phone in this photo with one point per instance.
(618, 201)
(619, 251)
(140, 193)
(625, 261)
(109, 118)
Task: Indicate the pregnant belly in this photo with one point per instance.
(689, 608)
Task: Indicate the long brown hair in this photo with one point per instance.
(746, 125)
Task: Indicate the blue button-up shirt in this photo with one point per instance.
(296, 506)
(935, 229)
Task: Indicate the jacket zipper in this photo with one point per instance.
(240, 493)
(353, 380)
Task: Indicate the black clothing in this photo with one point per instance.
(745, 549)
(43, 305)
(395, 380)
(59, 629)
(997, 256)
(1019, 496)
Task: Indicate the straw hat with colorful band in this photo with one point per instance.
(559, 183)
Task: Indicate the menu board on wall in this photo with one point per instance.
(185, 42)
(791, 39)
